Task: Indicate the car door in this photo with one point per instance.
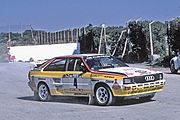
(68, 78)
(83, 80)
(77, 81)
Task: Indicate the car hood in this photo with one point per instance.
(129, 71)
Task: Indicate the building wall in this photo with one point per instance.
(42, 52)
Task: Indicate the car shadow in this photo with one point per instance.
(28, 98)
(71, 100)
(128, 102)
(84, 100)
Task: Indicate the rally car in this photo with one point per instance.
(99, 77)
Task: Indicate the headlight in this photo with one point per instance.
(128, 80)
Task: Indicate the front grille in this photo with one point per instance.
(148, 78)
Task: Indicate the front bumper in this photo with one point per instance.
(139, 89)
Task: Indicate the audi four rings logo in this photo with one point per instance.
(149, 78)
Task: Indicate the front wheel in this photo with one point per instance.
(43, 92)
(103, 96)
(172, 68)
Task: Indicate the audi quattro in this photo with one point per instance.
(99, 77)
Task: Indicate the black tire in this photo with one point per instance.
(43, 92)
(172, 68)
(104, 96)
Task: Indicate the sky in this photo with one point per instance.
(52, 15)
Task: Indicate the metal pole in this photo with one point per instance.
(41, 33)
(105, 44)
(47, 35)
(58, 36)
(126, 42)
(39, 37)
(168, 38)
(44, 37)
(151, 41)
(77, 35)
(118, 42)
(55, 37)
(51, 38)
(72, 35)
(100, 41)
(32, 34)
(64, 34)
(9, 37)
(68, 35)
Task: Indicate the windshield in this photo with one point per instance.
(101, 62)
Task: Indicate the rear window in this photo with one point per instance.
(56, 65)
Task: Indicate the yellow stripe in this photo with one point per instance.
(106, 77)
(56, 74)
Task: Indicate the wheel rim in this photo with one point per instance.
(43, 92)
(102, 95)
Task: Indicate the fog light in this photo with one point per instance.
(160, 76)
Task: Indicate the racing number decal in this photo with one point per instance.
(75, 76)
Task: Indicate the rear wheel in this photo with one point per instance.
(43, 92)
(172, 68)
(103, 96)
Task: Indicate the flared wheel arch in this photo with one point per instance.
(102, 84)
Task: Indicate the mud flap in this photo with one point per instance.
(91, 100)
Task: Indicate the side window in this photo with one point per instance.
(75, 64)
(71, 64)
(56, 65)
(78, 66)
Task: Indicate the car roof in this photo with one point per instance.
(80, 55)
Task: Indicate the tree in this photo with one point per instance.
(174, 35)
(159, 41)
(138, 40)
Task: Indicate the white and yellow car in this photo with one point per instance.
(99, 77)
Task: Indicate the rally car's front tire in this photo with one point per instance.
(104, 96)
